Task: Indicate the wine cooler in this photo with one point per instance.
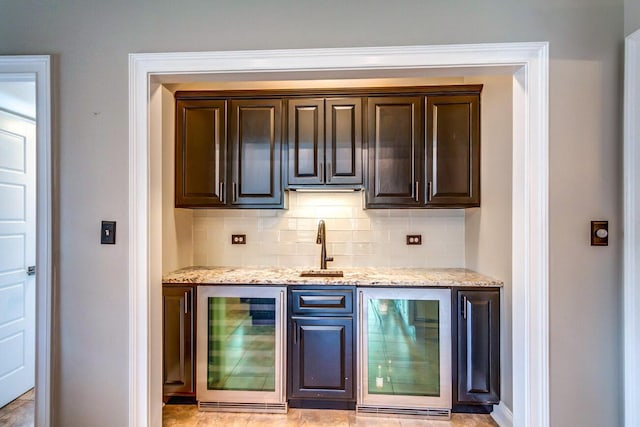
(404, 340)
(241, 349)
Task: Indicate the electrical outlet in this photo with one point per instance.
(238, 239)
(414, 239)
(108, 233)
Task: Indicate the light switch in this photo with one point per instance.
(108, 233)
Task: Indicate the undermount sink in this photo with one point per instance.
(322, 273)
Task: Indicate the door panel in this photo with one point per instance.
(344, 140)
(394, 151)
(478, 347)
(256, 152)
(200, 152)
(306, 141)
(17, 252)
(322, 355)
(453, 156)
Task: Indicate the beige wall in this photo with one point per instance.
(91, 40)
(488, 228)
(177, 224)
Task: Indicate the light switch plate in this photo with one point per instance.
(108, 233)
(599, 233)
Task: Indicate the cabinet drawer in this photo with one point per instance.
(320, 301)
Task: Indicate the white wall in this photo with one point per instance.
(90, 41)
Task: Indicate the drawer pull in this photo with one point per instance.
(322, 301)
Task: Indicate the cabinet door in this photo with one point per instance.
(343, 141)
(256, 151)
(394, 147)
(306, 141)
(322, 358)
(453, 150)
(178, 341)
(200, 153)
(478, 343)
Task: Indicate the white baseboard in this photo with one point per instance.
(502, 415)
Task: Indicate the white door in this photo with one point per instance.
(17, 253)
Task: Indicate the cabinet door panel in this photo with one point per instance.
(178, 341)
(306, 141)
(322, 358)
(256, 152)
(478, 347)
(200, 152)
(453, 156)
(344, 140)
(394, 151)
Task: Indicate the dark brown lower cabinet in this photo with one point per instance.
(178, 343)
(476, 364)
(321, 349)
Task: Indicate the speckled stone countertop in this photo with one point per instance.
(365, 276)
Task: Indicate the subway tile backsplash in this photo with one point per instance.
(355, 237)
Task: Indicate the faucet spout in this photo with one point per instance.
(321, 239)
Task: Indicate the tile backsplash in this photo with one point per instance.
(355, 237)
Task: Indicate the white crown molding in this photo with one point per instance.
(39, 66)
(631, 271)
(529, 65)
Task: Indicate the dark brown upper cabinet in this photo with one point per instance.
(453, 150)
(201, 149)
(325, 141)
(435, 168)
(255, 152)
(394, 146)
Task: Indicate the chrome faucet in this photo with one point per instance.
(322, 240)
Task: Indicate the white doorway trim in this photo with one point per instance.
(40, 66)
(631, 229)
(528, 63)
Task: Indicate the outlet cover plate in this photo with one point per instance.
(414, 239)
(238, 239)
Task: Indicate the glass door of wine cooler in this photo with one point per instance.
(405, 351)
(240, 348)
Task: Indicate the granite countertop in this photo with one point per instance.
(364, 276)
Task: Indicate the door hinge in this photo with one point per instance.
(31, 270)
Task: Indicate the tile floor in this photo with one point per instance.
(20, 412)
(188, 415)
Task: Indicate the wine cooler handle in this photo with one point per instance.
(464, 307)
